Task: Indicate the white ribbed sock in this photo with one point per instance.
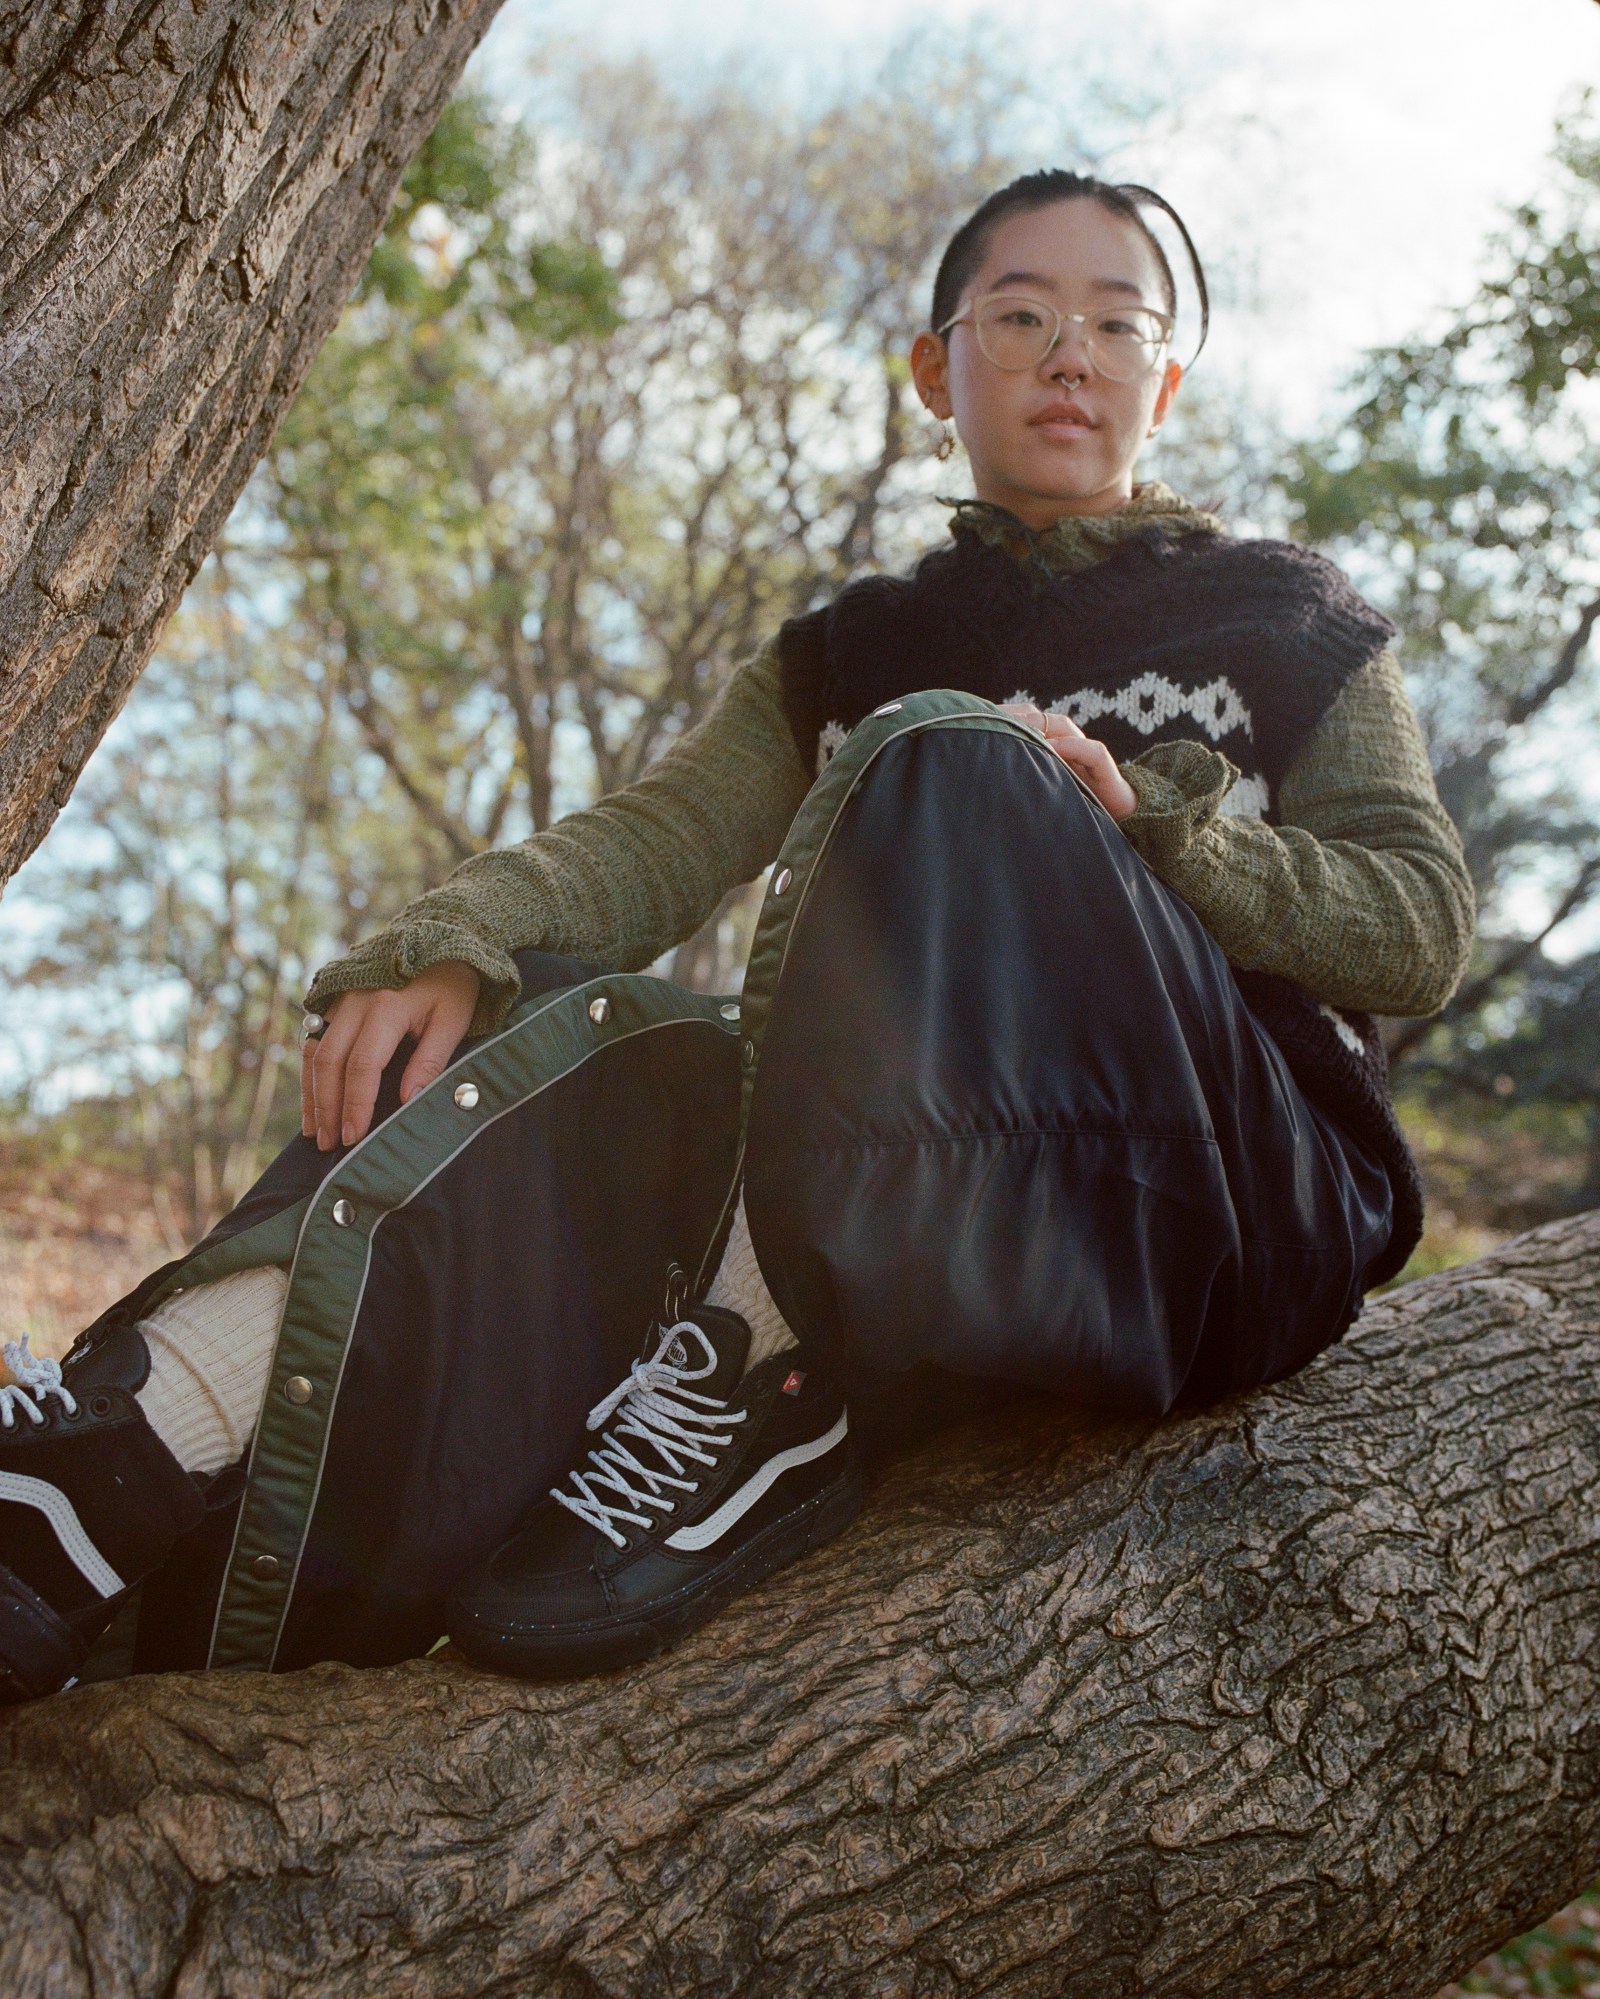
(740, 1287)
(210, 1350)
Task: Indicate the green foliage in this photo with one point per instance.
(1463, 489)
(586, 434)
(1549, 297)
(452, 255)
(377, 513)
(1538, 1045)
(1463, 476)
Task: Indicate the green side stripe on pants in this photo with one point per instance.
(804, 847)
(541, 1043)
(808, 839)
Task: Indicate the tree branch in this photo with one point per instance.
(1297, 1694)
(1514, 956)
(1567, 663)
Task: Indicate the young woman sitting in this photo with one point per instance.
(1099, 840)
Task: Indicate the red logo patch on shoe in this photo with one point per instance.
(792, 1385)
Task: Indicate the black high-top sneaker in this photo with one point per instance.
(706, 1479)
(91, 1501)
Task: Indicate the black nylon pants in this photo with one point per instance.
(1013, 1118)
(1011, 1121)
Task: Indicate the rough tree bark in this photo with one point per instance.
(1298, 1696)
(188, 191)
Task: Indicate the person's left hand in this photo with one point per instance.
(1091, 760)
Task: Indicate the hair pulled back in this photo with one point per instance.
(968, 247)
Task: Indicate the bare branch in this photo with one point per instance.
(1511, 959)
(1566, 665)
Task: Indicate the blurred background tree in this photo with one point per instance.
(1463, 491)
(601, 414)
(172, 978)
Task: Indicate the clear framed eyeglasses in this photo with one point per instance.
(1121, 342)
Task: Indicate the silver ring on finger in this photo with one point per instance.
(312, 1028)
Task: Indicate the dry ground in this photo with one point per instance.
(73, 1239)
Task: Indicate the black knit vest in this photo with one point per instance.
(1241, 645)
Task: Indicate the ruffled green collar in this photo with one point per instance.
(1079, 540)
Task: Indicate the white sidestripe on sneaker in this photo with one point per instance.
(734, 1508)
(54, 1504)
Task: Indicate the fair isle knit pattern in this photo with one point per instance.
(1153, 702)
(1150, 704)
(1181, 633)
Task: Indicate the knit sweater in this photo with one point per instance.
(1171, 638)
(1358, 891)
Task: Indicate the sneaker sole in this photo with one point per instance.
(573, 1652)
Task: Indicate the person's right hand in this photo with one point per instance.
(340, 1072)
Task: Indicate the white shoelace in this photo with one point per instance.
(35, 1379)
(679, 1425)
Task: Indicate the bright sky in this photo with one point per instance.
(1342, 162)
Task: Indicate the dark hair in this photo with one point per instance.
(969, 246)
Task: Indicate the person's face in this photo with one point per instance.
(1060, 438)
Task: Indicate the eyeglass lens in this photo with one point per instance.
(1121, 342)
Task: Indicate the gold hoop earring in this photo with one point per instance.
(946, 447)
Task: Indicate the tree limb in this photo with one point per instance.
(1297, 1695)
(191, 192)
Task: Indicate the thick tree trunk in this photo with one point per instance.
(188, 191)
(1299, 1696)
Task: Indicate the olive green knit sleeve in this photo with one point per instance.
(1359, 893)
(619, 883)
